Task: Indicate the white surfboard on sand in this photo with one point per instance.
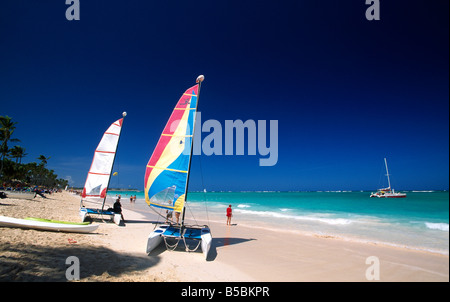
(46, 225)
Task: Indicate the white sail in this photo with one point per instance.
(97, 180)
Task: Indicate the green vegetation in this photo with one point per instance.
(13, 172)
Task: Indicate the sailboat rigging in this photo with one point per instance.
(387, 192)
(99, 175)
(167, 175)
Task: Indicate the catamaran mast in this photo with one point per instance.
(387, 173)
(199, 80)
(124, 114)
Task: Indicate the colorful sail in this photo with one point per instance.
(97, 181)
(167, 170)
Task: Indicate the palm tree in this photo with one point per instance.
(6, 131)
(41, 169)
(43, 160)
(18, 152)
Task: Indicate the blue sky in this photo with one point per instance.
(346, 92)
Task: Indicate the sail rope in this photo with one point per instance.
(192, 214)
(204, 197)
(204, 189)
(161, 216)
(102, 209)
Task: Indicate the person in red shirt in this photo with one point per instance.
(229, 214)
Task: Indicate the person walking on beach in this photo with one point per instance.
(229, 214)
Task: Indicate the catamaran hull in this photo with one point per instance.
(46, 226)
(206, 242)
(388, 195)
(392, 196)
(156, 238)
(84, 215)
(117, 218)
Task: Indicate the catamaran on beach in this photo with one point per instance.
(167, 176)
(99, 175)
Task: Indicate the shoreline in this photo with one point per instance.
(271, 225)
(347, 239)
(410, 230)
(238, 253)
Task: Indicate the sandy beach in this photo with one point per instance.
(240, 252)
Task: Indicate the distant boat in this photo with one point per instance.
(99, 175)
(167, 177)
(387, 192)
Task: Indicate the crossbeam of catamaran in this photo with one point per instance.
(167, 175)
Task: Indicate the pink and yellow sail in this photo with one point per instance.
(167, 170)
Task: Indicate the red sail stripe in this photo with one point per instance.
(97, 173)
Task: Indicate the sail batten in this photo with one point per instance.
(168, 168)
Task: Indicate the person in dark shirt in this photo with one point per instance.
(117, 207)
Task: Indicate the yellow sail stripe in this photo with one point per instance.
(176, 135)
(184, 108)
(174, 170)
(179, 204)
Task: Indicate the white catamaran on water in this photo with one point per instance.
(99, 175)
(387, 192)
(167, 177)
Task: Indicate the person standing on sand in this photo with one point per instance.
(229, 214)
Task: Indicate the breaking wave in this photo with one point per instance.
(437, 226)
(332, 221)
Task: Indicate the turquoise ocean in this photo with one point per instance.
(420, 221)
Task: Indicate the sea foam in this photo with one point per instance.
(437, 226)
(332, 221)
(243, 206)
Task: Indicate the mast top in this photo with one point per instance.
(124, 114)
(200, 78)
